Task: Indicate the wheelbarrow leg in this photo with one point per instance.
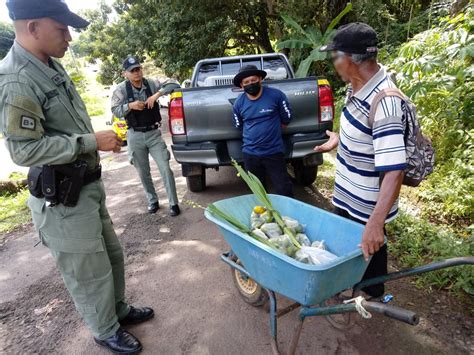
(296, 334)
(273, 322)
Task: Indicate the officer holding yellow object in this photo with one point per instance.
(135, 100)
(46, 127)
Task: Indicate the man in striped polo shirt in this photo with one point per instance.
(370, 158)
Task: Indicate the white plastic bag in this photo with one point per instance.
(260, 233)
(303, 239)
(320, 244)
(293, 224)
(271, 230)
(315, 256)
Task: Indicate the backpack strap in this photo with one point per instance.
(147, 88)
(130, 96)
(382, 94)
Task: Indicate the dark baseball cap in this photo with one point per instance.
(131, 63)
(246, 71)
(54, 9)
(353, 38)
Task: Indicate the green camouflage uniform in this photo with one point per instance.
(44, 121)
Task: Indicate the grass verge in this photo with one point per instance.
(13, 211)
(415, 241)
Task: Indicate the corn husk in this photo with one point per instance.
(259, 191)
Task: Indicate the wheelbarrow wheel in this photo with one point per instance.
(251, 292)
(342, 321)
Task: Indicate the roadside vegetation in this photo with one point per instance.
(13, 209)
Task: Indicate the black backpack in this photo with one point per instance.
(418, 148)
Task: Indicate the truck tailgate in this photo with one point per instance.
(208, 110)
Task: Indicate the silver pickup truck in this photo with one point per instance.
(201, 124)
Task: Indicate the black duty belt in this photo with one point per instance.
(145, 129)
(92, 175)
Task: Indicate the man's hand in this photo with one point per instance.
(151, 101)
(372, 238)
(136, 105)
(108, 141)
(330, 144)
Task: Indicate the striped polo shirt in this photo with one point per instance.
(365, 152)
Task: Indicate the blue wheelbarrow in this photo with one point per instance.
(259, 271)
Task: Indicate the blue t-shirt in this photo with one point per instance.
(261, 121)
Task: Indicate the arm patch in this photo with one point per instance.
(28, 123)
(23, 117)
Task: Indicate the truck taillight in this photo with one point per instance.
(326, 104)
(176, 114)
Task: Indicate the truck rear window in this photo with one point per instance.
(275, 68)
(216, 74)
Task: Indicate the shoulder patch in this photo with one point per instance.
(28, 123)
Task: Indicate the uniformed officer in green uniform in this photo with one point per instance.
(135, 101)
(46, 126)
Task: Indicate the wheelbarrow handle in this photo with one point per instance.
(403, 315)
(226, 258)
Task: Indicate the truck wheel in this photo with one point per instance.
(196, 183)
(304, 175)
(249, 290)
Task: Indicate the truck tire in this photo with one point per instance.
(304, 175)
(196, 183)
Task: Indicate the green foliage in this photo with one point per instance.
(174, 33)
(7, 36)
(436, 70)
(416, 242)
(92, 93)
(13, 211)
(95, 105)
(310, 37)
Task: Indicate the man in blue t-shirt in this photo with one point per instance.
(260, 113)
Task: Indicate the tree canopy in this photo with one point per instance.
(175, 34)
(7, 35)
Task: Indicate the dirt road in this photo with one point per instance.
(173, 265)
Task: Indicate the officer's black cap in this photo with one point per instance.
(131, 63)
(54, 9)
(353, 38)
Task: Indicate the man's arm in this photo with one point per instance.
(390, 159)
(285, 109)
(120, 107)
(373, 236)
(22, 120)
(332, 143)
(157, 90)
(238, 122)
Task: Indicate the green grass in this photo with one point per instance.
(13, 211)
(16, 176)
(326, 177)
(414, 241)
(95, 105)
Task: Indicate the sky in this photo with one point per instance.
(74, 6)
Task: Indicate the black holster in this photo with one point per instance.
(35, 181)
(60, 183)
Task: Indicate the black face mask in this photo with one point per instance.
(253, 89)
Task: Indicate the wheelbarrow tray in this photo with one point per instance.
(302, 283)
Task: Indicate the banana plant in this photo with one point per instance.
(310, 37)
